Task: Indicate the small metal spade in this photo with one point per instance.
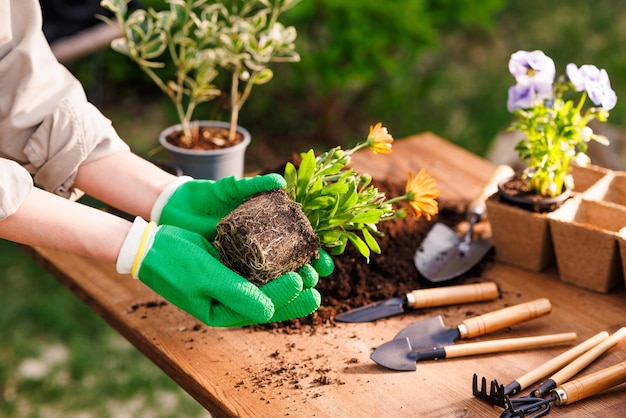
(399, 354)
(443, 255)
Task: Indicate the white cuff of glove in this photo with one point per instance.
(165, 195)
(137, 243)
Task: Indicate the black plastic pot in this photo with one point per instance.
(532, 202)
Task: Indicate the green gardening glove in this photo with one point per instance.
(183, 267)
(198, 205)
(323, 265)
(307, 301)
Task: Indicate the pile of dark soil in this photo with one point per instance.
(355, 282)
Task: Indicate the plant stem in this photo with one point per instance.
(234, 104)
(583, 98)
(397, 199)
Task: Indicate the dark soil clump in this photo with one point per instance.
(266, 237)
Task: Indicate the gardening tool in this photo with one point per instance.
(571, 392)
(423, 298)
(431, 332)
(400, 355)
(443, 255)
(531, 402)
(580, 363)
(498, 393)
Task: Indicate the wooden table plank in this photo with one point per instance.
(326, 371)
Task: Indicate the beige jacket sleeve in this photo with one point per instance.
(47, 126)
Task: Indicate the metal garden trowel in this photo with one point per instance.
(443, 255)
(401, 356)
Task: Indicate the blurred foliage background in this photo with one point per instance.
(427, 65)
(415, 65)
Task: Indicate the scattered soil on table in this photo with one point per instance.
(392, 273)
(307, 372)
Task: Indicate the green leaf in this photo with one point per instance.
(329, 238)
(342, 218)
(359, 244)
(263, 77)
(331, 169)
(341, 247)
(371, 216)
(351, 196)
(335, 208)
(314, 220)
(371, 241)
(320, 202)
(305, 172)
(291, 178)
(335, 189)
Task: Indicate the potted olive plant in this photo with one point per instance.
(324, 204)
(199, 40)
(551, 115)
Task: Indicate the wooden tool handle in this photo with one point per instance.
(584, 360)
(559, 361)
(503, 318)
(477, 206)
(586, 386)
(452, 295)
(509, 344)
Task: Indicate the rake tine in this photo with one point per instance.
(482, 393)
(567, 393)
(496, 394)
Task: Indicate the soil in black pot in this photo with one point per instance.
(516, 191)
(205, 138)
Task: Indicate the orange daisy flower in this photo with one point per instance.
(421, 192)
(379, 139)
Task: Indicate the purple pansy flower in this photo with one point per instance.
(534, 72)
(595, 82)
(555, 127)
(532, 67)
(526, 95)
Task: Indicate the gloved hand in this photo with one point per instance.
(309, 299)
(198, 205)
(183, 267)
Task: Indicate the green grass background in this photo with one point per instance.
(59, 359)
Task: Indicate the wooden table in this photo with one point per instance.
(327, 371)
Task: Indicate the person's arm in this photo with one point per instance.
(195, 282)
(46, 220)
(124, 181)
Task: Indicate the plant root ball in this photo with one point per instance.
(266, 237)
